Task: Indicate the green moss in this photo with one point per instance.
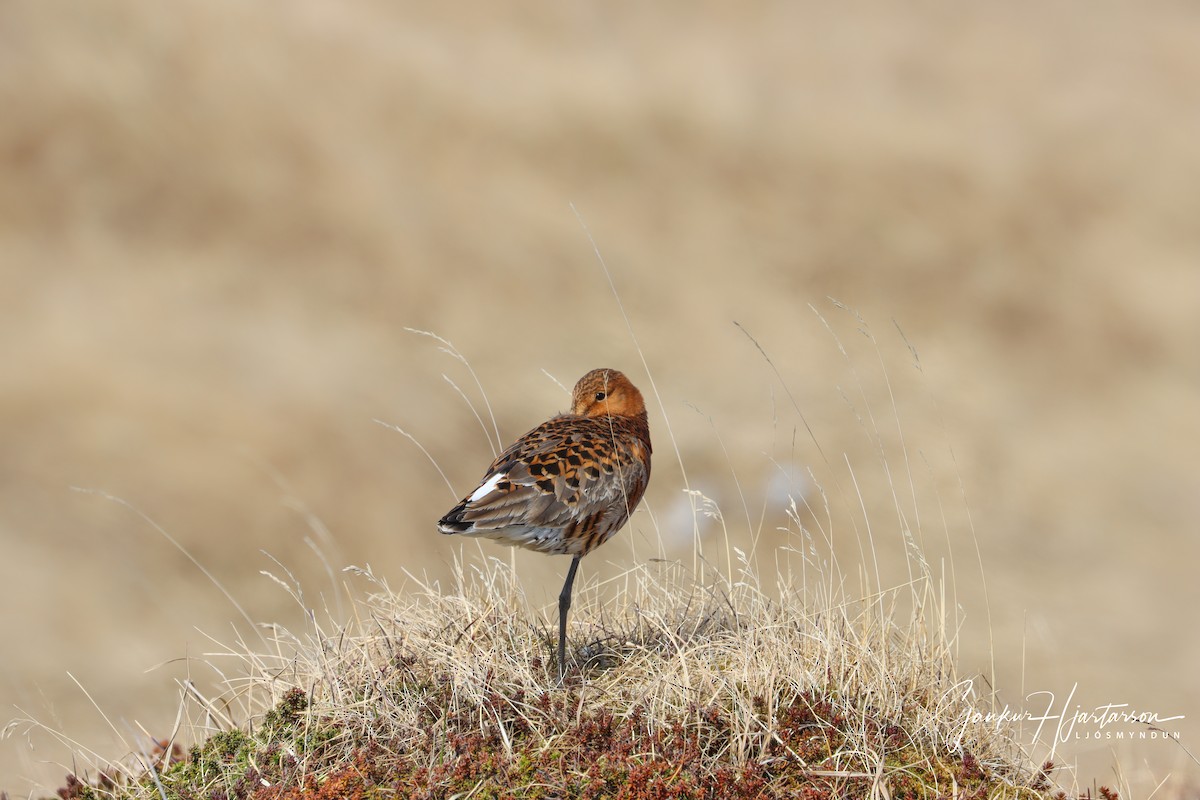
(232, 764)
(287, 714)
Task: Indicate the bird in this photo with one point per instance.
(568, 485)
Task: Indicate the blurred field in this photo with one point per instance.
(217, 218)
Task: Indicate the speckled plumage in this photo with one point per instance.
(569, 484)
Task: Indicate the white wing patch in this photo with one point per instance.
(486, 487)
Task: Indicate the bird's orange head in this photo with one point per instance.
(604, 392)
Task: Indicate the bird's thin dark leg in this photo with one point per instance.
(564, 605)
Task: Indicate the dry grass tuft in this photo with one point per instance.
(688, 685)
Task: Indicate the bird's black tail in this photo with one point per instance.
(453, 522)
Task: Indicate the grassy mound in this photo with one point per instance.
(684, 685)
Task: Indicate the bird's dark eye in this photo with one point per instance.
(600, 396)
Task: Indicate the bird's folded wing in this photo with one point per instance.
(551, 479)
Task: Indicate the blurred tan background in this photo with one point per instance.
(217, 218)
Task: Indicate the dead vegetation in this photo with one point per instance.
(684, 685)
